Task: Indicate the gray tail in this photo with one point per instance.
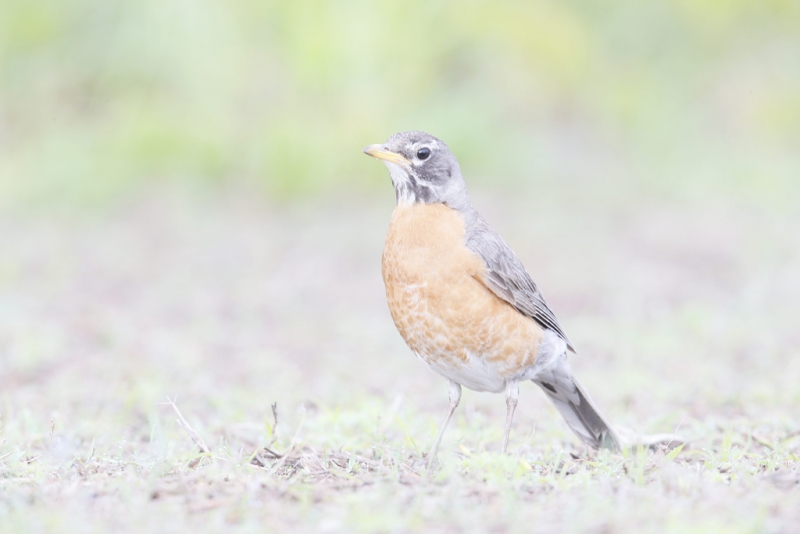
(576, 406)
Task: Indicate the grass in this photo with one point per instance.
(682, 312)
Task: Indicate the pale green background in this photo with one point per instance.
(98, 97)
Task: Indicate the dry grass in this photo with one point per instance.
(683, 311)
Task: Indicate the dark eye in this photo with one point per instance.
(423, 153)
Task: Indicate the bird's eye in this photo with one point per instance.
(423, 153)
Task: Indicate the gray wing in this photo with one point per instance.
(507, 278)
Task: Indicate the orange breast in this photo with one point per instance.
(446, 315)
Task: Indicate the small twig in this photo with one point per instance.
(189, 430)
(677, 429)
(274, 427)
(289, 451)
(273, 453)
(257, 459)
(763, 441)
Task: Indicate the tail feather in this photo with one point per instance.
(577, 407)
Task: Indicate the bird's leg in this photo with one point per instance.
(455, 397)
(512, 396)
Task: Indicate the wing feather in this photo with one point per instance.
(507, 278)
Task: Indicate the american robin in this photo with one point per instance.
(463, 301)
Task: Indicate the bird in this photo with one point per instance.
(463, 301)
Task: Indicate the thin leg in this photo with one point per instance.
(512, 396)
(455, 397)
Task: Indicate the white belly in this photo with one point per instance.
(475, 373)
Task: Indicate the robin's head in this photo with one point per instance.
(422, 168)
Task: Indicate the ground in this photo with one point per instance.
(682, 310)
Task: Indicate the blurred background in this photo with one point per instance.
(185, 208)
(688, 97)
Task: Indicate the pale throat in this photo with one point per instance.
(408, 189)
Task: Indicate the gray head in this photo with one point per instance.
(422, 168)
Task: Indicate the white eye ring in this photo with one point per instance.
(423, 153)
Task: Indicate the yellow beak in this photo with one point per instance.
(378, 151)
